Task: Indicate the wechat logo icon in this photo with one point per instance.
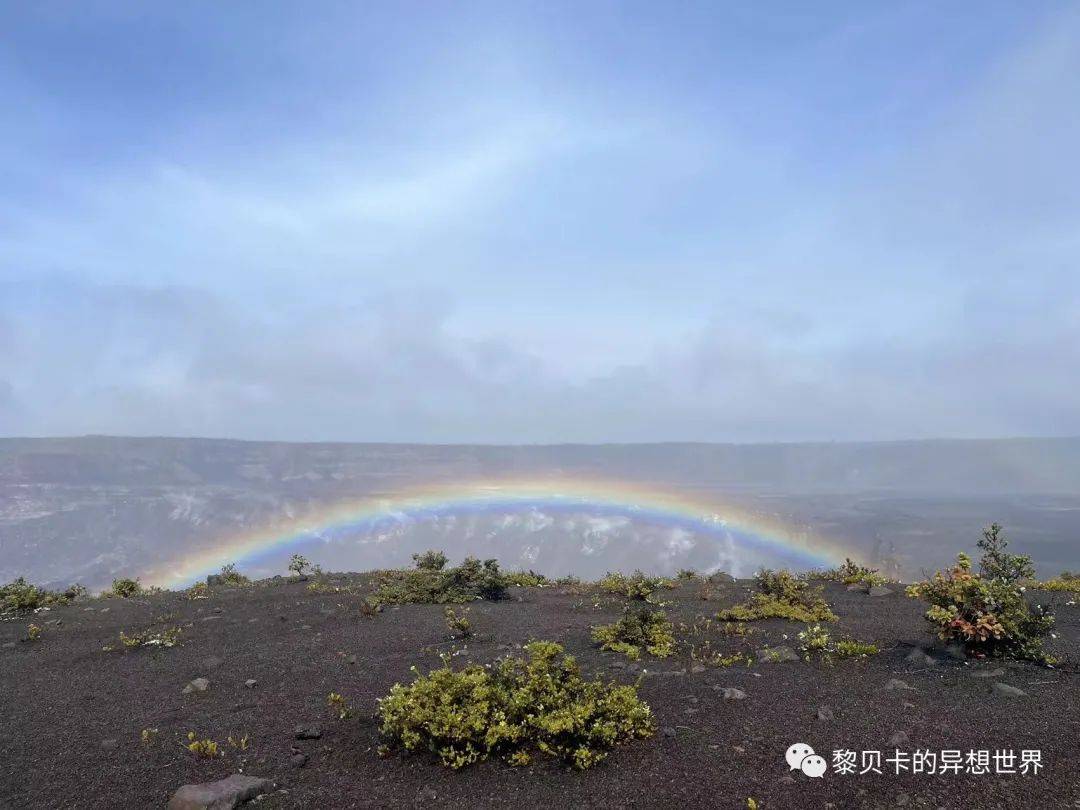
(801, 757)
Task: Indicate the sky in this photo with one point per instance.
(540, 222)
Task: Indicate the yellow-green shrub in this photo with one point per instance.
(783, 596)
(20, 596)
(637, 630)
(463, 583)
(635, 586)
(512, 709)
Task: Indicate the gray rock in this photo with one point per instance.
(857, 586)
(250, 683)
(9, 645)
(225, 794)
(920, 658)
(197, 685)
(298, 760)
(734, 693)
(825, 713)
(997, 672)
(696, 668)
(879, 590)
(895, 684)
(310, 732)
(786, 780)
(956, 651)
(668, 731)
(1008, 691)
(899, 739)
(777, 655)
(110, 745)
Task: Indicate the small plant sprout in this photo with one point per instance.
(202, 749)
(459, 623)
(169, 637)
(240, 743)
(33, 633)
(149, 735)
(339, 705)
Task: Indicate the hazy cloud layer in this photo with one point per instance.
(535, 225)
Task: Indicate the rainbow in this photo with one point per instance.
(637, 501)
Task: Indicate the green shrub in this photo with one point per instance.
(19, 596)
(168, 637)
(464, 583)
(635, 586)
(783, 596)
(848, 648)
(298, 564)
(430, 560)
(851, 573)
(816, 639)
(638, 630)
(527, 579)
(813, 639)
(231, 577)
(124, 589)
(1067, 581)
(997, 563)
(459, 623)
(687, 574)
(513, 709)
(339, 706)
(987, 612)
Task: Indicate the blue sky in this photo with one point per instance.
(519, 222)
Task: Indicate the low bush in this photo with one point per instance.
(339, 706)
(169, 637)
(299, 564)
(816, 639)
(202, 749)
(527, 579)
(782, 596)
(124, 589)
(430, 560)
(200, 590)
(687, 574)
(230, 577)
(458, 623)
(20, 596)
(637, 630)
(635, 586)
(848, 648)
(987, 612)
(463, 583)
(1067, 581)
(513, 709)
(851, 573)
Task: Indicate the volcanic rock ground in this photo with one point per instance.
(73, 714)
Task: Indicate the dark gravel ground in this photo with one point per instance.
(73, 714)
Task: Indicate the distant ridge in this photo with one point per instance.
(923, 466)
